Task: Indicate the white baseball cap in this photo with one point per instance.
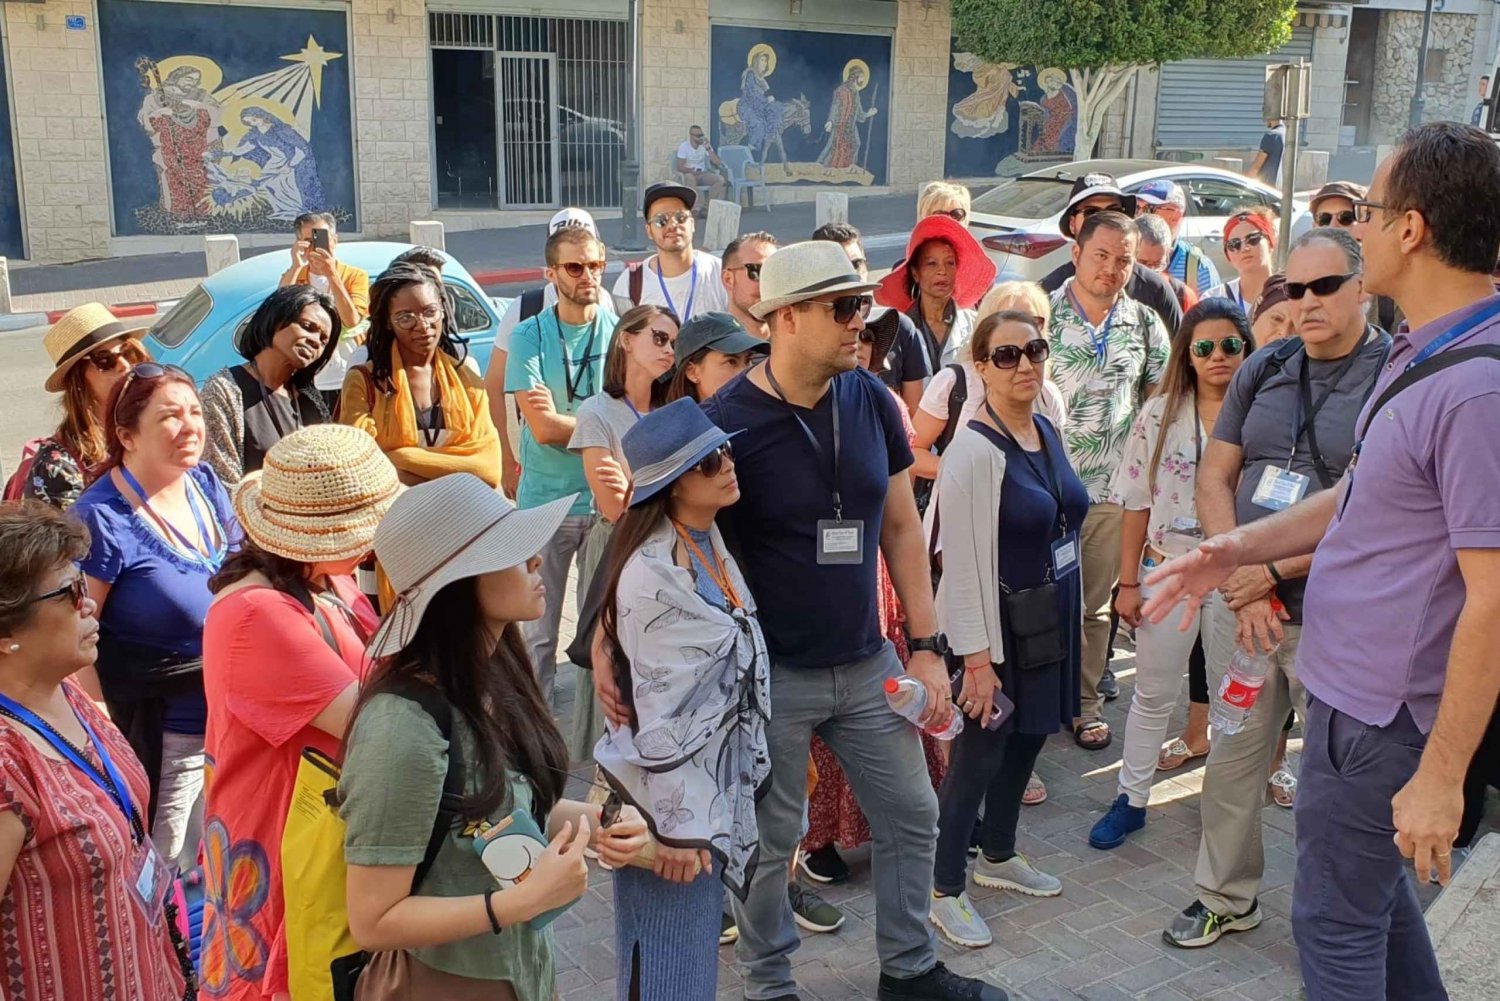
(571, 218)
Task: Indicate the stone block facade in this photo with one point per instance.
(674, 79)
(919, 102)
(392, 114)
(1450, 97)
(1330, 53)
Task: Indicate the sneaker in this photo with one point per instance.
(824, 865)
(729, 932)
(938, 984)
(1112, 828)
(811, 911)
(955, 918)
(1108, 686)
(1016, 873)
(1198, 926)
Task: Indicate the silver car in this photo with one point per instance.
(1017, 220)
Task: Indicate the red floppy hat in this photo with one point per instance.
(976, 272)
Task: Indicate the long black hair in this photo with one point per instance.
(496, 693)
(280, 309)
(631, 532)
(383, 332)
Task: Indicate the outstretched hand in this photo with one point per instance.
(1191, 579)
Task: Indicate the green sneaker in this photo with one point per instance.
(1198, 926)
(812, 911)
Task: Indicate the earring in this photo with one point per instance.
(14, 647)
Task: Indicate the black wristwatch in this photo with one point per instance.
(936, 643)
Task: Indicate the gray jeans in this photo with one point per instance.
(178, 825)
(882, 757)
(541, 635)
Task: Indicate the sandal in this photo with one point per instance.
(1284, 788)
(1036, 791)
(1092, 726)
(1175, 754)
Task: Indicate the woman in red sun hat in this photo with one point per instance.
(945, 274)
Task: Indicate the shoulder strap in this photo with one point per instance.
(1279, 357)
(531, 302)
(1415, 374)
(437, 706)
(957, 397)
(1193, 263)
(637, 281)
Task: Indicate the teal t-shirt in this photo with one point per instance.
(569, 361)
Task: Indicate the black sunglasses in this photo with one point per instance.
(1344, 218)
(1090, 210)
(712, 464)
(77, 587)
(752, 271)
(575, 269)
(145, 371)
(660, 338)
(1232, 347)
(845, 306)
(1237, 244)
(1009, 355)
(108, 359)
(1327, 285)
(957, 215)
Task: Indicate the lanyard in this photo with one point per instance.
(838, 503)
(585, 367)
(265, 399)
(1100, 340)
(692, 290)
(637, 413)
(721, 577)
(1049, 479)
(108, 779)
(1304, 405)
(213, 559)
(1443, 340)
(930, 346)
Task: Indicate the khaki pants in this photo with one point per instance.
(1231, 859)
(1100, 544)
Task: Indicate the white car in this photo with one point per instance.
(1017, 220)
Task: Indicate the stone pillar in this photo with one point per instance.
(427, 233)
(723, 224)
(392, 112)
(1312, 169)
(833, 206)
(674, 81)
(919, 94)
(5, 306)
(1330, 53)
(220, 252)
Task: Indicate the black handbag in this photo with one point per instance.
(1033, 627)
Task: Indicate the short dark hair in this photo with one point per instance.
(568, 235)
(308, 218)
(35, 537)
(1450, 174)
(1109, 219)
(760, 236)
(692, 127)
(1341, 238)
(837, 232)
(979, 341)
(427, 257)
(281, 308)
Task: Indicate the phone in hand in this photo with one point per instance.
(320, 239)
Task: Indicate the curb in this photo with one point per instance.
(10, 322)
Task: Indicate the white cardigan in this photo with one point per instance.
(967, 496)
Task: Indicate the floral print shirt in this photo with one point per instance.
(55, 476)
(1174, 513)
(1103, 396)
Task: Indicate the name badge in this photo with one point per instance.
(1186, 527)
(1100, 387)
(841, 542)
(150, 880)
(1279, 489)
(1065, 556)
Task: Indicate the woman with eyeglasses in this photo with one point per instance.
(160, 525)
(91, 352)
(415, 396)
(693, 671)
(1156, 485)
(1009, 507)
(1250, 246)
(72, 794)
(248, 408)
(945, 274)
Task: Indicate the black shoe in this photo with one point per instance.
(825, 865)
(939, 984)
(1108, 686)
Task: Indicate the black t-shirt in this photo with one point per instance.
(906, 361)
(813, 616)
(269, 417)
(1145, 286)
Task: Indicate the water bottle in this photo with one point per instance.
(909, 698)
(1239, 690)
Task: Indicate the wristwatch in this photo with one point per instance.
(936, 643)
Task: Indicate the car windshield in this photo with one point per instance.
(1025, 198)
(182, 319)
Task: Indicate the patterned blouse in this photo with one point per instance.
(55, 476)
(70, 926)
(1174, 513)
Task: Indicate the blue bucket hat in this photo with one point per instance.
(666, 443)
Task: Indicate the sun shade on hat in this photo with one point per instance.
(448, 529)
(885, 327)
(805, 271)
(668, 189)
(319, 496)
(79, 331)
(666, 443)
(1092, 186)
(976, 272)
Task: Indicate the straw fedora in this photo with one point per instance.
(805, 271)
(976, 272)
(79, 331)
(319, 496)
(448, 529)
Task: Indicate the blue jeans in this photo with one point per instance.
(1355, 916)
(881, 755)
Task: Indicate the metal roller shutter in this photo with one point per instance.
(1216, 103)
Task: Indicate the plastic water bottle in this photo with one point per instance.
(1239, 690)
(909, 698)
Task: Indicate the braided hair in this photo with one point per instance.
(382, 333)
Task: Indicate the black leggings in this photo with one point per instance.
(984, 767)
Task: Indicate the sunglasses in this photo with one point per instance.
(1344, 218)
(409, 321)
(1327, 285)
(752, 271)
(1090, 210)
(1239, 243)
(575, 269)
(957, 215)
(1231, 346)
(681, 218)
(146, 371)
(108, 359)
(659, 338)
(845, 306)
(1009, 355)
(712, 464)
(77, 587)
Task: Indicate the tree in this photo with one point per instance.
(1101, 43)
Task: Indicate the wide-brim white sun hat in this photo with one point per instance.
(448, 529)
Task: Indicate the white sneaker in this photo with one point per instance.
(955, 918)
(1015, 873)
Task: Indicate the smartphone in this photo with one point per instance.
(1003, 705)
(320, 239)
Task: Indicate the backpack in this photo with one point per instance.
(957, 397)
(532, 301)
(15, 487)
(637, 280)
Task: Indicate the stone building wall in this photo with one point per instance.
(674, 78)
(393, 112)
(919, 103)
(1399, 38)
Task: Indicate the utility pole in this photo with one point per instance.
(1419, 95)
(630, 167)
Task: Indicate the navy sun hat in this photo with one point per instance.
(666, 443)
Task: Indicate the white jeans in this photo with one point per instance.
(1161, 659)
(178, 824)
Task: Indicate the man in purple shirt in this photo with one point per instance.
(1403, 604)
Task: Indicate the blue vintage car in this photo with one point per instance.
(197, 333)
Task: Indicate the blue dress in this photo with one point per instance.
(1047, 699)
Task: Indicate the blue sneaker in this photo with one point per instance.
(1116, 825)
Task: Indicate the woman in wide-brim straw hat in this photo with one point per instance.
(463, 563)
(90, 352)
(945, 274)
(283, 652)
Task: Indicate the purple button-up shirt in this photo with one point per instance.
(1385, 590)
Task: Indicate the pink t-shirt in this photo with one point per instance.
(268, 672)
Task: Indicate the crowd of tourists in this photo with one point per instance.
(848, 551)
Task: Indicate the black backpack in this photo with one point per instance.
(532, 301)
(957, 397)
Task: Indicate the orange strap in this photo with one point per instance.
(721, 577)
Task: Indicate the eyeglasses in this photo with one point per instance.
(957, 215)
(681, 217)
(845, 306)
(1327, 285)
(1009, 355)
(575, 269)
(660, 338)
(1231, 346)
(1241, 242)
(1344, 218)
(108, 359)
(752, 271)
(408, 320)
(712, 464)
(1364, 208)
(77, 587)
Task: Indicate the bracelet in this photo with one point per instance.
(1127, 587)
(495, 926)
(977, 667)
(1275, 577)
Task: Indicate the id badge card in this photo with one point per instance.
(1279, 488)
(1099, 387)
(1065, 556)
(841, 542)
(150, 879)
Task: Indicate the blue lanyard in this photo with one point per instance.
(632, 407)
(1101, 339)
(692, 290)
(1443, 340)
(210, 560)
(108, 780)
